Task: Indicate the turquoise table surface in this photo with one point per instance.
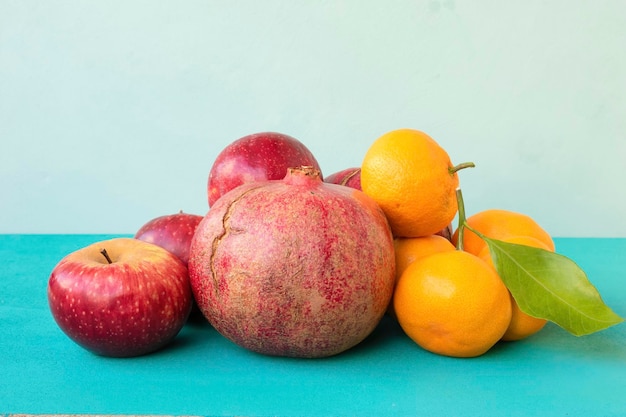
(552, 373)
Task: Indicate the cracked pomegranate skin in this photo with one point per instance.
(293, 267)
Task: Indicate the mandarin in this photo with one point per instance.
(411, 249)
(453, 304)
(500, 224)
(411, 178)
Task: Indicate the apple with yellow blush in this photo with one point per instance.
(120, 297)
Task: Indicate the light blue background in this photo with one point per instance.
(112, 112)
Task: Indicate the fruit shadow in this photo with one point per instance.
(386, 334)
(604, 346)
(197, 332)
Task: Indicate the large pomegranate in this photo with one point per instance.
(294, 267)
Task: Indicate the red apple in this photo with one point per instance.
(350, 177)
(172, 232)
(257, 157)
(120, 297)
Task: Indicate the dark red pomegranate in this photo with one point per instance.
(294, 267)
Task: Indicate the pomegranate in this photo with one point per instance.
(294, 267)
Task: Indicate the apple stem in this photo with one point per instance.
(106, 255)
(455, 169)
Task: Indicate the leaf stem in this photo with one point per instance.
(462, 218)
(476, 232)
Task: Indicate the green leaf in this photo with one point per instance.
(551, 286)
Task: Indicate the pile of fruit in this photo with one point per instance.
(287, 262)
